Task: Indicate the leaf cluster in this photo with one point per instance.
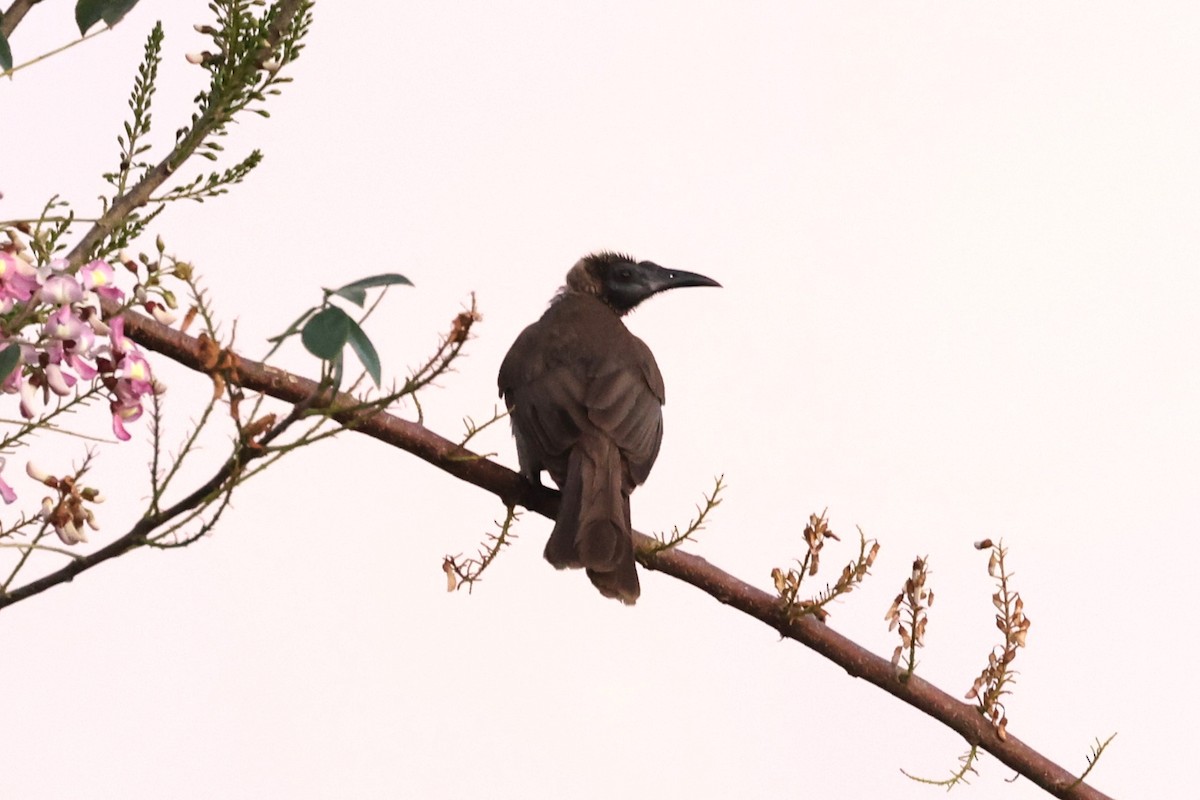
(326, 329)
(244, 69)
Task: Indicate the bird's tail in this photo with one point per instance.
(593, 527)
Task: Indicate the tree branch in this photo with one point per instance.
(12, 18)
(137, 535)
(512, 489)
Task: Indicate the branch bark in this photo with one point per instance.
(512, 489)
(16, 12)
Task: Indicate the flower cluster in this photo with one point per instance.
(993, 682)
(53, 317)
(909, 615)
(67, 515)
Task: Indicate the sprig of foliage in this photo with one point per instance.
(326, 329)
(251, 50)
(140, 100)
(244, 70)
(788, 584)
(215, 184)
(711, 501)
(44, 234)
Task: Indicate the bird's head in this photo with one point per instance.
(622, 282)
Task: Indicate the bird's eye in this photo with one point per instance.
(625, 273)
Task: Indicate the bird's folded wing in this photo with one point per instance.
(622, 404)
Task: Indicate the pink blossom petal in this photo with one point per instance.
(59, 382)
(61, 290)
(99, 277)
(6, 491)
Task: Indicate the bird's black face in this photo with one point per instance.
(625, 283)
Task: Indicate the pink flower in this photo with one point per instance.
(6, 491)
(61, 290)
(59, 382)
(124, 412)
(18, 281)
(133, 376)
(65, 324)
(71, 340)
(28, 394)
(116, 334)
(98, 276)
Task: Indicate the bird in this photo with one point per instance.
(585, 397)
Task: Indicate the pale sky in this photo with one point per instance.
(959, 246)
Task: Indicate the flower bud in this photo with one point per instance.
(39, 475)
(159, 313)
(69, 534)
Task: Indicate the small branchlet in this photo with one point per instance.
(908, 617)
(1092, 758)
(992, 684)
(214, 184)
(663, 542)
(967, 760)
(460, 572)
(448, 349)
(473, 428)
(788, 584)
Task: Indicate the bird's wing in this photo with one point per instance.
(550, 411)
(626, 403)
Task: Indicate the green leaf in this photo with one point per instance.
(365, 351)
(5, 55)
(356, 293)
(11, 356)
(89, 12)
(326, 333)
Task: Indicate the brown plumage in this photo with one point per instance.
(586, 398)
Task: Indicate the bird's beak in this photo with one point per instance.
(661, 279)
